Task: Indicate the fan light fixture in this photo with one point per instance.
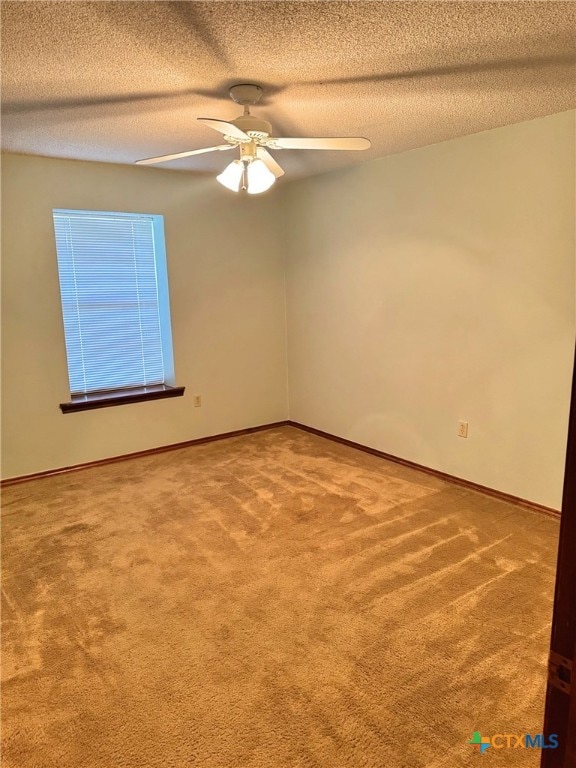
(251, 175)
(231, 176)
(260, 178)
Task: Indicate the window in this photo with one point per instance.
(115, 305)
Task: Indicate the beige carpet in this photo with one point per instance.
(269, 601)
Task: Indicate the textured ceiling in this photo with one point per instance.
(119, 81)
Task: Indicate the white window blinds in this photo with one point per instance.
(110, 299)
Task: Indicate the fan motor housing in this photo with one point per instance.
(253, 126)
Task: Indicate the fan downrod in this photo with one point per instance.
(246, 94)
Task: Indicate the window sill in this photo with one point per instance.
(119, 397)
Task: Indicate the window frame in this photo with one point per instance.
(111, 397)
(105, 398)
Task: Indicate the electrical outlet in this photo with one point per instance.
(197, 400)
(462, 429)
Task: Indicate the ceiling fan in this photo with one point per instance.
(256, 170)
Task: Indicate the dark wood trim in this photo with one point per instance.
(106, 399)
(434, 472)
(137, 454)
(560, 713)
(327, 435)
(570, 760)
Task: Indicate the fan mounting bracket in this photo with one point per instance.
(246, 93)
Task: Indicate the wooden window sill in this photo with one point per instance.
(119, 397)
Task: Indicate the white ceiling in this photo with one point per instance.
(119, 81)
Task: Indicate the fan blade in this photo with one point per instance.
(228, 129)
(269, 161)
(165, 158)
(348, 143)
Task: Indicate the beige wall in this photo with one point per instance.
(227, 301)
(439, 285)
(424, 288)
